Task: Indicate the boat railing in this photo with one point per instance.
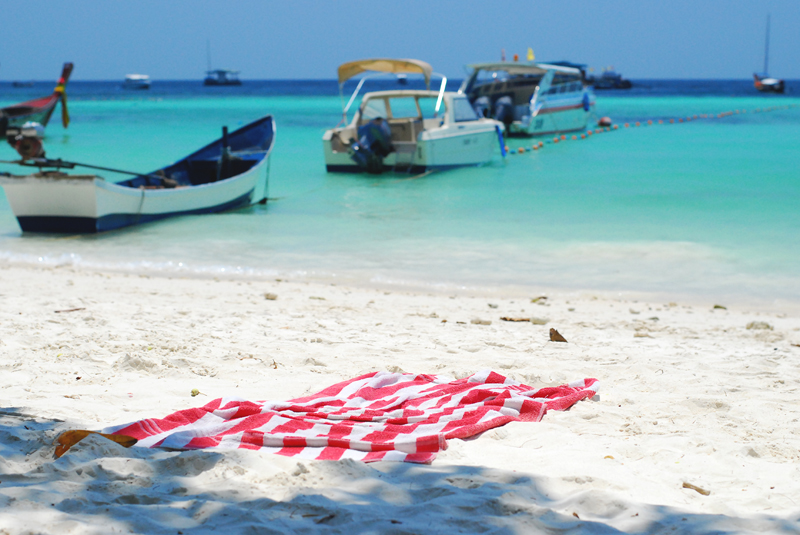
(441, 93)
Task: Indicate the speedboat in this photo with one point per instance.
(39, 110)
(136, 81)
(231, 172)
(531, 99)
(222, 77)
(407, 130)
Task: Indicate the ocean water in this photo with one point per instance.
(707, 208)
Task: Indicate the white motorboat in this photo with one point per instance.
(136, 81)
(531, 99)
(232, 172)
(407, 130)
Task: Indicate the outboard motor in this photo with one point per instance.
(26, 140)
(373, 145)
(504, 110)
(482, 106)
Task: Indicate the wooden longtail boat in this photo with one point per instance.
(39, 110)
(232, 172)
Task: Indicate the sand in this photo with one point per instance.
(689, 395)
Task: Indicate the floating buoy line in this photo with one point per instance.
(605, 125)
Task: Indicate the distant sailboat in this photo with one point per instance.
(764, 82)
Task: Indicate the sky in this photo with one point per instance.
(307, 39)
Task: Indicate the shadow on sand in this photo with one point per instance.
(100, 487)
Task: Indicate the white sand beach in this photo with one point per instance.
(688, 394)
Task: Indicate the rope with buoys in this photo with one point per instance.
(605, 125)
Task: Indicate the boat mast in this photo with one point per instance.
(766, 50)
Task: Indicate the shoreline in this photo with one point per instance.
(396, 284)
(693, 396)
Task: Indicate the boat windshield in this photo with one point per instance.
(405, 107)
(428, 107)
(373, 109)
(463, 110)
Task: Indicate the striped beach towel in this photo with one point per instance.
(379, 416)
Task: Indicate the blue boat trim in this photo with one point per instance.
(83, 225)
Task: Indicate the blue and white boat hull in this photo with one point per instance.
(61, 203)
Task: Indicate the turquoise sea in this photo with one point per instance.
(708, 209)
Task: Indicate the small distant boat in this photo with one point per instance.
(531, 99)
(407, 130)
(222, 77)
(610, 79)
(22, 84)
(39, 110)
(232, 172)
(215, 77)
(136, 81)
(402, 79)
(763, 82)
(768, 85)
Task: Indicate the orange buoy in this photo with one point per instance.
(627, 125)
(680, 120)
(574, 137)
(521, 150)
(541, 144)
(583, 136)
(589, 132)
(536, 147)
(563, 137)
(616, 126)
(672, 121)
(695, 116)
(661, 121)
(506, 148)
(556, 140)
(638, 123)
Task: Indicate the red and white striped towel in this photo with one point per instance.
(378, 416)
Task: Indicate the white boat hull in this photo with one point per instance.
(556, 117)
(63, 203)
(441, 148)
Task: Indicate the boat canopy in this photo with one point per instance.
(404, 66)
(524, 68)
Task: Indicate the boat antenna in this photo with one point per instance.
(766, 50)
